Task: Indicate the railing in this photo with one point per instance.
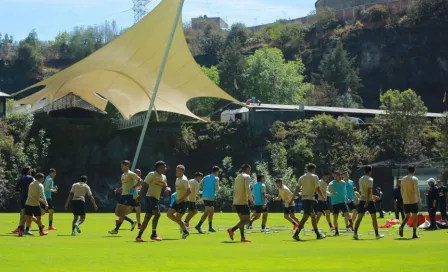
(136, 121)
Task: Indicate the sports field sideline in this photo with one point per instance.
(94, 249)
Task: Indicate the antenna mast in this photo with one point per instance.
(140, 9)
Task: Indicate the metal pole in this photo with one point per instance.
(156, 87)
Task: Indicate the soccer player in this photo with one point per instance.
(308, 184)
(191, 203)
(183, 190)
(322, 204)
(411, 200)
(432, 199)
(155, 183)
(210, 186)
(350, 198)
(260, 207)
(49, 190)
(22, 186)
(337, 190)
(36, 195)
(241, 197)
(77, 198)
(366, 203)
(286, 195)
(129, 180)
(136, 206)
(443, 195)
(398, 201)
(380, 201)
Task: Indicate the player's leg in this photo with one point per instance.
(144, 225)
(204, 216)
(318, 216)
(315, 227)
(50, 214)
(443, 210)
(192, 211)
(244, 218)
(210, 218)
(254, 217)
(335, 220)
(75, 220)
(354, 215)
(415, 225)
(264, 220)
(358, 222)
(138, 211)
(120, 211)
(405, 221)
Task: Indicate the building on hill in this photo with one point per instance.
(346, 9)
(199, 23)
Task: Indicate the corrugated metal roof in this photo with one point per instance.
(330, 109)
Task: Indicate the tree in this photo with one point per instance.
(336, 68)
(232, 65)
(442, 128)
(272, 80)
(238, 32)
(402, 124)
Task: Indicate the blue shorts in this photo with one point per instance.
(126, 200)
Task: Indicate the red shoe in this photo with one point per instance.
(245, 240)
(295, 226)
(43, 233)
(52, 228)
(138, 239)
(16, 230)
(230, 232)
(20, 233)
(156, 238)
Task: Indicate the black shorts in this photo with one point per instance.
(321, 206)
(180, 207)
(260, 209)
(411, 208)
(400, 206)
(308, 206)
(191, 206)
(370, 208)
(209, 203)
(79, 207)
(288, 210)
(134, 203)
(126, 200)
(351, 206)
(152, 205)
(50, 204)
(340, 207)
(242, 209)
(33, 210)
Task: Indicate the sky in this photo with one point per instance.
(50, 17)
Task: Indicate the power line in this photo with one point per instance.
(139, 9)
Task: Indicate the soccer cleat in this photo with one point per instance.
(16, 230)
(355, 236)
(52, 228)
(156, 238)
(211, 230)
(113, 231)
(321, 237)
(336, 234)
(43, 233)
(29, 233)
(379, 236)
(296, 237)
(400, 232)
(230, 232)
(138, 239)
(20, 233)
(248, 226)
(185, 235)
(73, 233)
(245, 240)
(78, 229)
(415, 237)
(133, 226)
(295, 226)
(199, 229)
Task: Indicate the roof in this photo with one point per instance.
(330, 109)
(4, 95)
(124, 72)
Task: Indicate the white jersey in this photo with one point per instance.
(80, 190)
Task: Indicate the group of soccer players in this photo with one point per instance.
(35, 192)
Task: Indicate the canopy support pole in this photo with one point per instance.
(156, 87)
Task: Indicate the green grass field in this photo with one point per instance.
(94, 249)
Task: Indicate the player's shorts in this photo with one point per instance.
(321, 206)
(191, 206)
(33, 210)
(308, 206)
(411, 208)
(400, 206)
(152, 204)
(180, 207)
(126, 200)
(260, 209)
(79, 207)
(370, 208)
(242, 209)
(135, 203)
(351, 206)
(288, 210)
(340, 207)
(50, 204)
(209, 203)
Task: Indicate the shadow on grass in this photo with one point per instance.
(170, 239)
(65, 235)
(229, 242)
(111, 236)
(403, 239)
(300, 241)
